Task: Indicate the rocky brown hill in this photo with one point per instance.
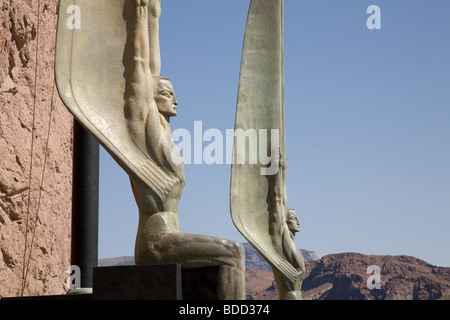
(344, 277)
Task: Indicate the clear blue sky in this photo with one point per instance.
(367, 125)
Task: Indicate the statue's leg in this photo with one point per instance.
(192, 250)
(196, 251)
(287, 289)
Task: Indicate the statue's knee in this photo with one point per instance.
(241, 250)
(236, 252)
(234, 248)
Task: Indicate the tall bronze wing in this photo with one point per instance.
(260, 105)
(89, 71)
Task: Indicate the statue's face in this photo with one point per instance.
(292, 221)
(165, 98)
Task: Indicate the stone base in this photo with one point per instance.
(151, 282)
(57, 297)
(154, 282)
(145, 282)
(200, 283)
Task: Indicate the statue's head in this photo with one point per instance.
(292, 221)
(164, 96)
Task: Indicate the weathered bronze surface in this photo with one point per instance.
(258, 195)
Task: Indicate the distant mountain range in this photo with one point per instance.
(253, 259)
(344, 277)
(119, 261)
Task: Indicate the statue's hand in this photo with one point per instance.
(143, 3)
(155, 8)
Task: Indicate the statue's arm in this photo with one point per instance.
(153, 31)
(292, 253)
(299, 262)
(277, 214)
(142, 113)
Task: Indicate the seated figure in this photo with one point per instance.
(150, 102)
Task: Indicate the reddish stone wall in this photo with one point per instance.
(35, 154)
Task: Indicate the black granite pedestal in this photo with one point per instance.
(145, 282)
(154, 282)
